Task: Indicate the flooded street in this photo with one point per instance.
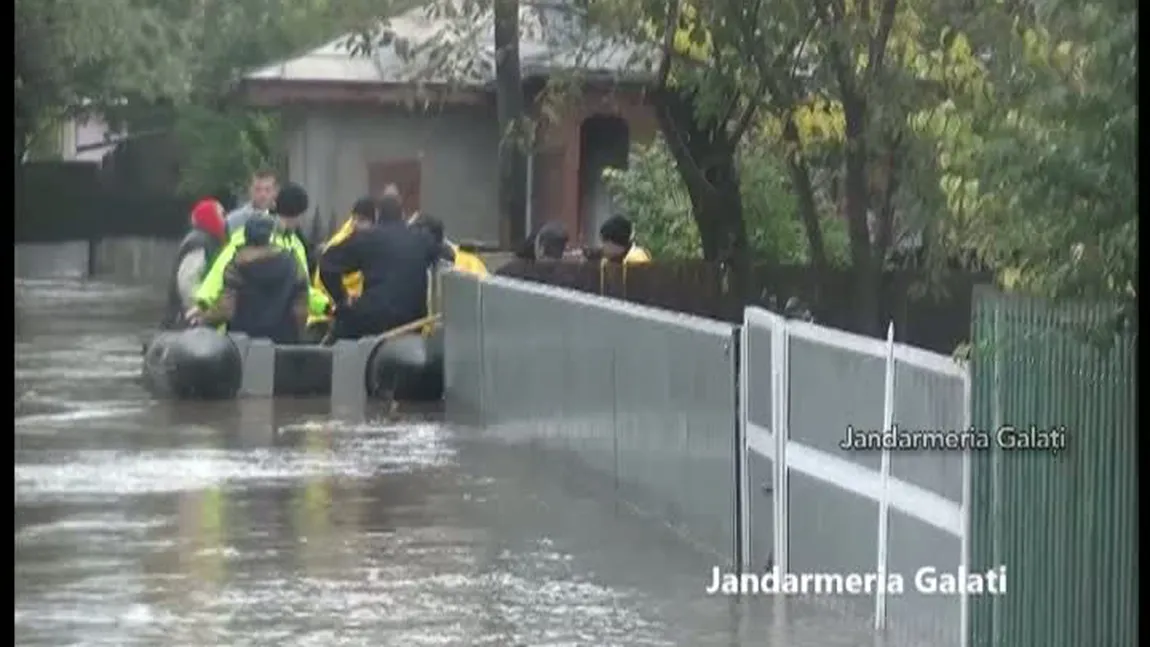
(257, 523)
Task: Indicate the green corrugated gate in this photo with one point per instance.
(1064, 524)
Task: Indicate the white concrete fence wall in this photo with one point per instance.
(128, 260)
(649, 398)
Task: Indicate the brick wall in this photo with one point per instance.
(557, 158)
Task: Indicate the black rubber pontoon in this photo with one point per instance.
(197, 363)
(408, 368)
(200, 363)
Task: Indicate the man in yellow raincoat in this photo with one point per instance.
(291, 203)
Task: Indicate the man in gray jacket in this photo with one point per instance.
(261, 196)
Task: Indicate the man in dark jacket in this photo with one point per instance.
(432, 227)
(394, 260)
(265, 289)
(195, 255)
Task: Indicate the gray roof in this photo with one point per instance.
(427, 47)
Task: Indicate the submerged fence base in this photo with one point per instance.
(560, 369)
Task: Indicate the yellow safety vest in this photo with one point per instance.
(212, 285)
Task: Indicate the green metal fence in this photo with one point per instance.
(1063, 523)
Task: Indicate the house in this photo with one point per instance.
(87, 138)
(354, 124)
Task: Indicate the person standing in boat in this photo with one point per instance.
(394, 260)
(261, 196)
(195, 255)
(265, 289)
(291, 203)
(262, 199)
(319, 324)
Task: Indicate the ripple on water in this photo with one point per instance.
(75, 415)
(95, 474)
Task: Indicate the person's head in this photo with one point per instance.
(208, 217)
(615, 235)
(258, 231)
(363, 212)
(390, 210)
(550, 241)
(262, 190)
(290, 205)
(430, 225)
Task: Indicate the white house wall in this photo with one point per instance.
(330, 149)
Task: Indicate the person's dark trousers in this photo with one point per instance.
(356, 321)
(282, 334)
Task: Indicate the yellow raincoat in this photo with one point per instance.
(352, 281)
(468, 262)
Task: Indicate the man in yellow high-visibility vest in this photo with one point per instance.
(291, 204)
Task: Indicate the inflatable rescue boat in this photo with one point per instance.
(201, 363)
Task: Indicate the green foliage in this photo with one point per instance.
(166, 64)
(223, 148)
(1046, 171)
(221, 142)
(651, 192)
(73, 55)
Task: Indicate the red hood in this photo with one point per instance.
(207, 216)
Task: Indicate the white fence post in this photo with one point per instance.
(742, 455)
(884, 470)
(780, 392)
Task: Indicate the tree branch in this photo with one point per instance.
(667, 121)
(679, 148)
(749, 111)
(746, 34)
(670, 24)
(805, 194)
(877, 53)
(885, 234)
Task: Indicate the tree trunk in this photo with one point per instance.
(866, 271)
(512, 125)
(705, 158)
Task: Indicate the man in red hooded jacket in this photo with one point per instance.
(194, 257)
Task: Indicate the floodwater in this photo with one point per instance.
(269, 523)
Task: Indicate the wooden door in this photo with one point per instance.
(404, 174)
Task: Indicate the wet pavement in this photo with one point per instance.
(258, 523)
